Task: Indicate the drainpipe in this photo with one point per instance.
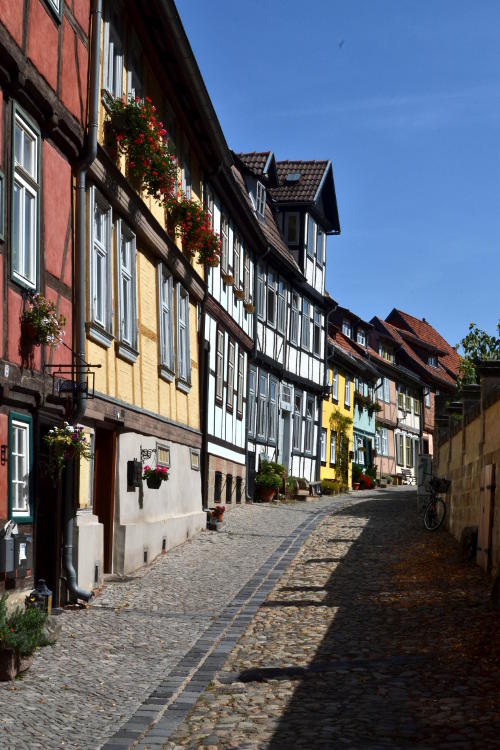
(79, 275)
(204, 365)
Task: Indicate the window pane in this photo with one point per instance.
(18, 144)
(28, 161)
(16, 258)
(29, 230)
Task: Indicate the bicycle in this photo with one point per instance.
(435, 510)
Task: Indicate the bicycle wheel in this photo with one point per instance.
(434, 514)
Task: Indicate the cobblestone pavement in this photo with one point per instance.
(375, 636)
(112, 656)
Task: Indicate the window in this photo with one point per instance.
(246, 278)
(273, 410)
(260, 201)
(320, 245)
(386, 389)
(347, 392)
(335, 384)
(292, 229)
(386, 353)
(20, 462)
(409, 451)
(186, 178)
(195, 459)
(381, 443)
(359, 453)
(262, 407)
(309, 425)
(361, 336)
(240, 384)
(427, 397)
(401, 399)
(271, 298)
(183, 357)
(101, 257)
(333, 448)
(281, 307)
(260, 293)
(323, 446)
(56, 7)
(217, 486)
(230, 375)
(346, 328)
(163, 455)
(236, 261)
(294, 318)
(400, 449)
(432, 361)
(311, 236)
(229, 489)
(297, 421)
(416, 406)
(112, 74)
(408, 403)
(127, 305)
(25, 239)
(135, 86)
(224, 246)
(317, 333)
(306, 327)
(208, 203)
(165, 287)
(219, 366)
(252, 379)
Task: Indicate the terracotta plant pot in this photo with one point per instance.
(11, 664)
(266, 494)
(355, 485)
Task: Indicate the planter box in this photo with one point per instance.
(11, 664)
(249, 307)
(239, 293)
(227, 278)
(215, 525)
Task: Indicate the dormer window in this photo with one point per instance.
(361, 336)
(292, 228)
(386, 353)
(260, 199)
(346, 328)
(432, 360)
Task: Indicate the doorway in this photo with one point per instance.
(104, 489)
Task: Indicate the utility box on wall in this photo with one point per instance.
(23, 554)
(6, 555)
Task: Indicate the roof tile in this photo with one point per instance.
(306, 187)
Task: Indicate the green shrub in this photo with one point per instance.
(357, 470)
(371, 472)
(272, 466)
(23, 629)
(330, 486)
(268, 480)
(291, 485)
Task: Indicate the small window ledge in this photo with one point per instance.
(166, 374)
(183, 385)
(98, 334)
(126, 352)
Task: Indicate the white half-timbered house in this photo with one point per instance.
(286, 374)
(228, 331)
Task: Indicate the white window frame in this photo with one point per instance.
(317, 332)
(281, 311)
(182, 325)
(231, 359)
(297, 421)
(271, 299)
(127, 309)
(346, 328)
(323, 445)
(311, 237)
(224, 243)
(219, 365)
(252, 400)
(26, 183)
(166, 315)
(20, 483)
(112, 69)
(135, 74)
(361, 336)
(260, 199)
(272, 430)
(237, 260)
(305, 338)
(186, 175)
(295, 318)
(261, 297)
(246, 277)
(335, 384)
(386, 390)
(101, 312)
(347, 392)
(309, 425)
(320, 245)
(262, 406)
(432, 360)
(240, 385)
(427, 397)
(333, 448)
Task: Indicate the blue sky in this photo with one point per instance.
(404, 97)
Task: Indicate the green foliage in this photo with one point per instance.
(271, 466)
(270, 475)
(23, 629)
(340, 424)
(476, 346)
(330, 486)
(371, 472)
(291, 485)
(357, 470)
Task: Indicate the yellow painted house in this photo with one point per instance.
(337, 414)
(143, 302)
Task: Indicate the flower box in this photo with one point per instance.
(239, 293)
(249, 307)
(227, 278)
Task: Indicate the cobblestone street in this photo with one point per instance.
(334, 624)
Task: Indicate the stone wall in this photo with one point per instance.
(468, 447)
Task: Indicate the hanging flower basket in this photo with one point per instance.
(154, 476)
(141, 137)
(40, 323)
(65, 443)
(193, 225)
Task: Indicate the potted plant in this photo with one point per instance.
(65, 443)
(269, 479)
(154, 476)
(141, 137)
(40, 323)
(193, 224)
(216, 516)
(21, 633)
(357, 471)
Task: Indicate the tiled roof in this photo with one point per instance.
(306, 187)
(348, 347)
(433, 372)
(255, 161)
(423, 330)
(268, 227)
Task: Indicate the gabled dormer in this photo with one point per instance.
(260, 175)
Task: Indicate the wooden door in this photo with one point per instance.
(487, 496)
(104, 489)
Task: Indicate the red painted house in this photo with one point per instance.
(43, 101)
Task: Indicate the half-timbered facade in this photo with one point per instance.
(43, 99)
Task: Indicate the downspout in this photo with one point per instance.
(204, 358)
(325, 384)
(79, 276)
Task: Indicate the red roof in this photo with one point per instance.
(255, 161)
(310, 173)
(424, 331)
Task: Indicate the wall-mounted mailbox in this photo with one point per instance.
(134, 474)
(23, 545)
(6, 555)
